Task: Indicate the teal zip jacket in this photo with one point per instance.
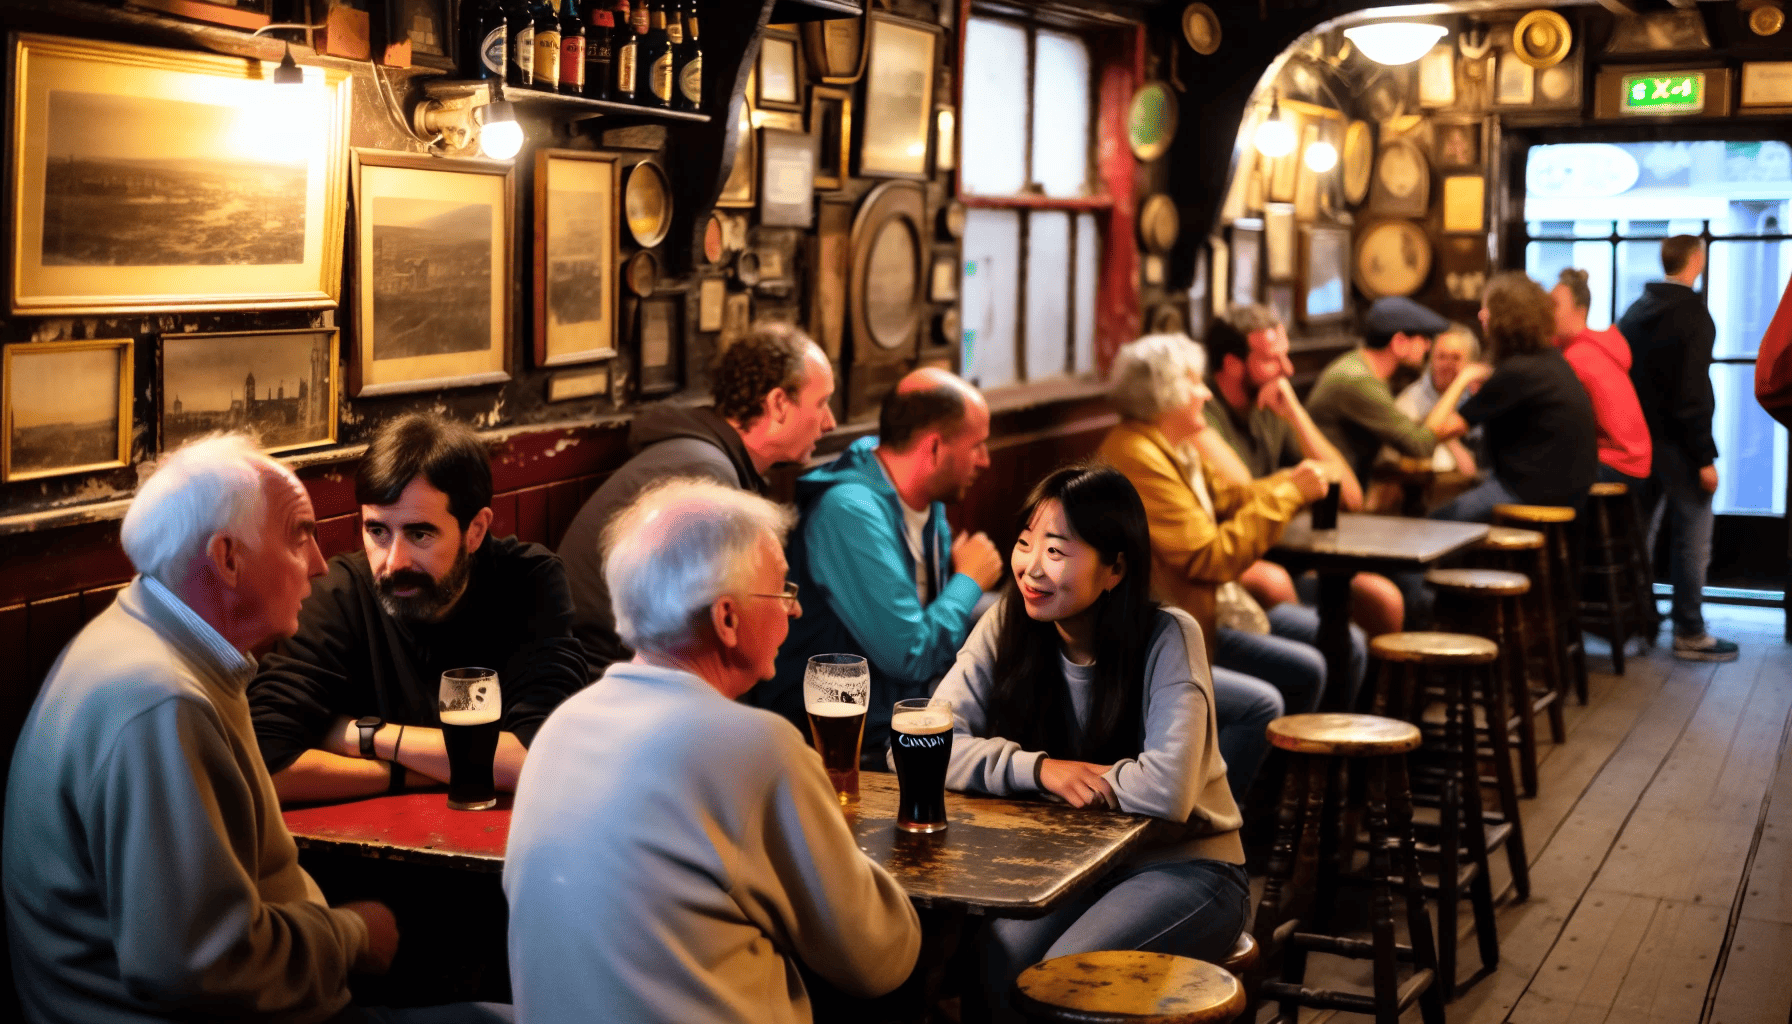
(849, 556)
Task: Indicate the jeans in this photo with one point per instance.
(1243, 708)
(1287, 657)
(452, 1013)
(1679, 498)
(1193, 908)
(1475, 505)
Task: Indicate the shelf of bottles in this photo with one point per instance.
(788, 11)
(581, 108)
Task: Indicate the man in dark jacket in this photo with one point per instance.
(1671, 334)
(772, 392)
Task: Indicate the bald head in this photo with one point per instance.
(927, 401)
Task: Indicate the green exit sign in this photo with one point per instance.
(1682, 93)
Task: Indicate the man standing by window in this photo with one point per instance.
(1671, 334)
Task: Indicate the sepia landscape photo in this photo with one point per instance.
(62, 407)
(277, 385)
(578, 258)
(432, 277)
(199, 190)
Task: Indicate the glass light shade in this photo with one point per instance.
(1322, 156)
(1395, 42)
(500, 137)
(1275, 138)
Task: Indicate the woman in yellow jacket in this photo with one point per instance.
(1205, 531)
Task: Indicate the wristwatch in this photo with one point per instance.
(368, 726)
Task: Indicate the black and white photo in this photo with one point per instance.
(67, 407)
(280, 386)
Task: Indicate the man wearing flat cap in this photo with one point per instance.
(1353, 406)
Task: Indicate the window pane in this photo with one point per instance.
(1060, 115)
(1048, 293)
(1545, 261)
(1088, 264)
(995, 120)
(1751, 461)
(991, 290)
(1746, 280)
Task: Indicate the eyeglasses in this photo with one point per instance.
(788, 597)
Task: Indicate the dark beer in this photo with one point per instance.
(921, 743)
(837, 729)
(472, 741)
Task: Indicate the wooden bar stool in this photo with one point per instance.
(1546, 676)
(1616, 572)
(1555, 522)
(1486, 603)
(1413, 668)
(1127, 987)
(1302, 881)
(1243, 958)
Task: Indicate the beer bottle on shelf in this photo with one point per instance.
(625, 52)
(522, 45)
(689, 63)
(572, 49)
(653, 86)
(547, 46)
(600, 56)
(484, 33)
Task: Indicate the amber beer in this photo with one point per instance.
(836, 693)
(469, 708)
(921, 745)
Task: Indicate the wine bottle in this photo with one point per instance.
(600, 56)
(572, 49)
(547, 46)
(653, 86)
(627, 48)
(484, 34)
(522, 45)
(689, 63)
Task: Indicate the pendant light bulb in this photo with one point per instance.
(500, 137)
(1275, 137)
(1321, 156)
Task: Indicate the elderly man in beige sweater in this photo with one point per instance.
(674, 855)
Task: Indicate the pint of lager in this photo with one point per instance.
(836, 692)
(921, 744)
(470, 707)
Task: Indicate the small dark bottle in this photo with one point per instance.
(600, 56)
(484, 36)
(653, 83)
(688, 63)
(572, 49)
(627, 51)
(547, 47)
(521, 72)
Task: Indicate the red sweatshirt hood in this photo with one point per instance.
(1608, 341)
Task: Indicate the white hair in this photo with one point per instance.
(1155, 374)
(678, 547)
(1471, 344)
(210, 485)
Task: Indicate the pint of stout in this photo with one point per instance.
(836, 693)
(470, 708)
(921, 744)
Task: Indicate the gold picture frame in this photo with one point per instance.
(434, 247)
(576, 233)
(830, 121)
(287, 382)
(98, 128)
(897, 127)
(55, 418)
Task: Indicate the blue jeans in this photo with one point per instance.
(1286, 657)
(1475, 505)
(1243, 708)
(1193, 908)
(1687, 507)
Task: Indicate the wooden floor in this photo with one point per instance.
(1661, 852)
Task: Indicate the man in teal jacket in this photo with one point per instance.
(880, 573)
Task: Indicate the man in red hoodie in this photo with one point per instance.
(1601, 359)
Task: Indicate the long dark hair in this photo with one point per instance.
(1031, 703)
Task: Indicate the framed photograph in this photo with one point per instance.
(657, 368)
(942, 279)
(1456, 145)
(738, 192)
(1465, 203)
(1514, 83)
(787, 180)
(1462, 260)
(1322, 293)
(221, 206)
(278, 385)
(830, 121)
(780, 72)
(1766, 86)
(830, 261)
(898, 116)
(1278, 242)
(712, 295)
(433, 248)
(576, 226)
(1437, 76)
(1247, 257)
(67, 407)
(1402, 181)
(1560, 86)
(235, 13)
(426, 27)
(835, 48)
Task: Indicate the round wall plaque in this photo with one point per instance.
(647, 204)
(1159, 224)
(1542, 38)
(714, 245)
(952, 217)
(1151, 120)
(1766, 21)
(1201, 27)
(642, 273)
(1356, 161)
(1393, 257)
(886, 289)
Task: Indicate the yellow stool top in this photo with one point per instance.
(1434, 648)
(1343, 734)
(1609, 490)
(1509, 538)
(1534, 513)
(1128, 986)
(1494, 582)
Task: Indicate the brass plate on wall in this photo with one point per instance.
(1159, 224)
(1151, 120)
(888, 276)
(1542, 38)
(1201, 27)
(642, 273)
(1393, 257)
(647, 204)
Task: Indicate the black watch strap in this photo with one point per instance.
(398, 777)
(369, 727)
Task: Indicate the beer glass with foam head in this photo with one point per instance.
(836, 693)
(470, 707)
(921, 745)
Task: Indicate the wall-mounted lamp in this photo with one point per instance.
(1394, 43)
(1321, 156)
(1275, 137)
(454, 115)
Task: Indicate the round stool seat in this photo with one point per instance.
(1535, 513)
(1510, 538)
(1493, 582)
(1128, 986)
(1434, 648)
(1243, 956)
(1343, 735)
(1609, 490)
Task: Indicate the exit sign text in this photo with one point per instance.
(1682, 93)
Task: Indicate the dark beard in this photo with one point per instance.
(433, 597)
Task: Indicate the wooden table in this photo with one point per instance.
(1362, 543)
(1002, 858)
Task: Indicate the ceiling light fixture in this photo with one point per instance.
(1395, 43)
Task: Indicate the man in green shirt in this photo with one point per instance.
(1351, 402)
